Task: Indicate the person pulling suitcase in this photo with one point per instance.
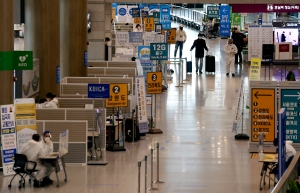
(230, 50)
(200, 45)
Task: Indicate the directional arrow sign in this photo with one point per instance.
(287, 95)
(256, 95)
(224, 10)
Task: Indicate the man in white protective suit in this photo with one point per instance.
(230, 50)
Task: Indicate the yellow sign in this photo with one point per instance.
(171, 39)
(137, 20)
(149, 24)
(118, 95)
(263, 113)
(255, 69)
(113, 13)
(154, 82)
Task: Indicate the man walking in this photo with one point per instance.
(180, 40)
(200, 45)
(230, 50)
(238, 40)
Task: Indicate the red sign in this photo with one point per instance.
(284, 48)
(265, 8)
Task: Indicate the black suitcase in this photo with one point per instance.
(210, 63)
(189, 67)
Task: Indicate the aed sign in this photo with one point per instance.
(263, 113)
(149, 23)
(154, 82)
(118, 96)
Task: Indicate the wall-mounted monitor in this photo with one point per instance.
(286, 35)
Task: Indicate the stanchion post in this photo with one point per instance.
(151, 172)
(145, 174)
(136, 119)
(157, 157)
(132, 132)
(139, 176)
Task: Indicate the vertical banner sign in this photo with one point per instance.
(57, 74)
(255, 69)
(263, 113)
(154, 85)
(141, 102)
(122, 39)
(165, 17)
(25, 120)
(8, 138)
(149, 24)
(171, 38)
(290, 100)
(118, 95)
(213, 11)
(238, 107)
(225, 20)
(144, 57)
(122, 14)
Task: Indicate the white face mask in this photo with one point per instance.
(47, 139)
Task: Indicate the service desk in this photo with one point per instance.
(58, 163)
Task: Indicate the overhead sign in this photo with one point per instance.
(285, 24)
(141, 102)
(213, 11)
(16, 60)
(263, 113)
(158, 51)
(154, 83)
(98, 91)
(254, 73)
(236, 19)
(8, 138)
(171, 38)
(118, 96)
(290, 100)
(225, 20)
(149, 24)
(165, 16)
(136, 12)
(265, 8)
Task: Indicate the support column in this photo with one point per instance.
(42, 37)
(6, 44)
(73, 34)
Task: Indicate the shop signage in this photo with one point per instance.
(154, 85)
(141, 102)
(149, 24)
(225, 20)
(213, 11)
(171, 38)
(158, 51)
(264, 8)
(263, 113)
(255, 69)
(118, 96)
(98, 91)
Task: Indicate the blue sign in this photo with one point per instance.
(57, 74)
(85, 62)
(143, 53)
(8, 155)
(122, 11)
(98, 91)
(136, 12)
(158, 51)
(136, 37)
(225, 20)
(153, 8)
(259, 21)
(298, 36)
(281, 142)
(165, 17)
(290, 100)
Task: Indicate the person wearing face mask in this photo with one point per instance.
(51, 102)
(200, 45)
(180, 40)
(47, 148)
(230, 50)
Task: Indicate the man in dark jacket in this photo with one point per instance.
(200, 45)
(238, 41)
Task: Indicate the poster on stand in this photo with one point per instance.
(122, 14)
(8, 138)
(122, 39)
(141, 102)
(165, 17)
(30, 80)
(25, 120)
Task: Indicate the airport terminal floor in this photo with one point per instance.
(198, 152)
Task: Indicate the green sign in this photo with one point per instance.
(16, 60)
(156, 16)
(213, 11)
(158, 51)
(236, 19)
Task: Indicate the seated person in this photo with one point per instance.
(33, 151)
(290, 76)
(51, 102)
(47, 148)
(289, 149)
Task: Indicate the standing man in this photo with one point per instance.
(238, 40)
(230, 50)
(180, 40)
(200, 45)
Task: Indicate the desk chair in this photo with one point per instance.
(20, 167)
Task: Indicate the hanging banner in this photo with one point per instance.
(136, 38)
(141, 102)
(236, 19)
(25, 120)
(122, 14)
(238, 107)
(255, 69)
(8, 138)
(144, 57)
(122, 39)
(165, 17)
(225, 20)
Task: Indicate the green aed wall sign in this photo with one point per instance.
(16, 60)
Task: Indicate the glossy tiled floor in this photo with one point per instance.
(198, 153)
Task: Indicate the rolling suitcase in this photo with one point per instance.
(189, 65)
(210, 63)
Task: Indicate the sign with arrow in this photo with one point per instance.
(263, 113)
(290, 100)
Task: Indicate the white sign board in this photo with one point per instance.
(122, 14)
(149, 37)
(122, 39)
(141, 102)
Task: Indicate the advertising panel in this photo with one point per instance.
(141, 102)
(165, 17)
(31, 80)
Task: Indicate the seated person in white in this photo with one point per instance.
(47, 148)
(33, 151)
(51, 102)
(289, 149)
